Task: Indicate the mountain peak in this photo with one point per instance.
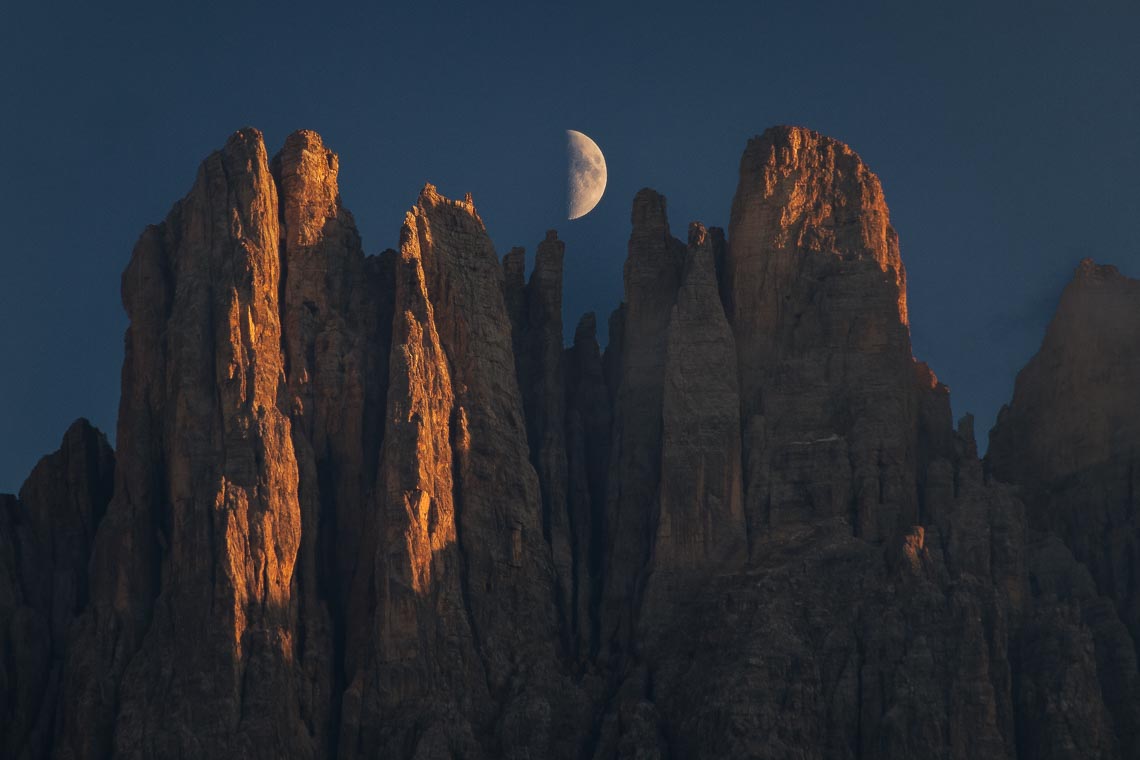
(1088, 272)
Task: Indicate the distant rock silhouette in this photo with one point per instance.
(372, 506)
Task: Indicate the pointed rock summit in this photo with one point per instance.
(1074, 405)
(1070, 437)
(701, 525)
(46, 536)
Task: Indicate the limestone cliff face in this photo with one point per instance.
(1074, 405)
(652, 277)
(195, 606)
(373, 506)
(818, 300)
(45, 543)
(411, 659)
(1071, 434)
(508, 565)
(536, 320)
(701, 520)
(336, 308)
(589, 420)
(1070, 438)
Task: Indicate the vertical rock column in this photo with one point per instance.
(1070, 439)
(126, 559)
(701, 524)
(45, 544)
(536, 314)
(412, 659)
(327, 299)
(329, 346)
(589, 419)
(652, 277)
(507, 560)
(461, 500)
(194, 564)
(818, 306)
(1071, 434)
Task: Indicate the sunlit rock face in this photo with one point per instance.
(198, 607)
(818, 305)
(375, 506)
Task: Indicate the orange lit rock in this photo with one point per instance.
(818, 306)
(194, 609)
(408, 634)
(371, 506)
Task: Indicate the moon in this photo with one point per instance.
(585, 174)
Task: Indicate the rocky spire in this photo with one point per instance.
(45, 544)
(193, 573)
(411, 650)
(701, 522)
(799, 193)
(458, 557)
(1074, 404)
(514, 296)
(818, 307)
(589, 418)
(500, 518)
(652, 277)
(335, 330)
(1070, 438)
(542, 385)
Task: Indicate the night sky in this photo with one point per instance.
(1005, 136)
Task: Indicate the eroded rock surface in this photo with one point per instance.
(373, 506)
(818, 298)
(1070, 438)
(45, 543)
(700, 526)
(652, 276)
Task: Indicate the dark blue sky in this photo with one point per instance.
(1005, 136)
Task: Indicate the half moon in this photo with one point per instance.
(585, 174)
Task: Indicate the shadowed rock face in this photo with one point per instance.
(45, 543)
(652, 276)
(535, 311)
(373, 506)
(589, 417)
(701, 522)
(1074, 405)
(1070, 438)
